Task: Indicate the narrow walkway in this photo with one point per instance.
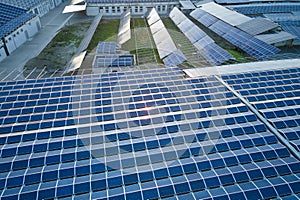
(52, 22)
(144, 46)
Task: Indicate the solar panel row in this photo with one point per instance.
(11, 18)
(107, 48)
(164, 43)
(115, 60)
(291, 28)
(276, 95)
(204, 44)
(124, 33)
(8, 13)
(263, 8)
(166, 137)
(251, 45)
(26, 4)
(245, 1)
(257, 26)
(174, 59)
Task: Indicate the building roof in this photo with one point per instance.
(26, 4)
(273, 38)
(258, 25)
(11, 18)
(151, 134)
(263, 8)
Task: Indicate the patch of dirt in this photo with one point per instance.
(59, 51)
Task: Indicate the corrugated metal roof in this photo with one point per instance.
(257, 26)
(275, 37)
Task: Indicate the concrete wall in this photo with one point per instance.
(135, 8)
(57, 2)
(32, 27)
(45, 7)
(92, 10)
(22, 34)
(2, 51)
(15, 39)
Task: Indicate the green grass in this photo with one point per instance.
(169, 24)
(235, 54)
(138, 22)
(107, 30)
(239, 56)
(68, 36)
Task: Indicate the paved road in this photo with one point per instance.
(52, 22)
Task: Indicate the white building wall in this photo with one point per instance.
(33, 26)
(10, 44)
(2, 51)
(43, 8)
(51, 4)
(19, 37)
(92, 10)
(136, 8)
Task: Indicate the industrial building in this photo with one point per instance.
(39, 7)
(116, 8)
(16, 27)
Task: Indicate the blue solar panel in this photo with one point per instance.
(291, 28)
(138, 134)
(174, 59)
(264, 8)
(12, 18)
(215, 54)
(106, 48)
(251, 45)
(276, 94)
(204, 44)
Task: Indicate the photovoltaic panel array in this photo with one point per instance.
(107, 48)
(164, 43)
(174, 59)
(243, 1)
(257, 26)
(293, 29)
(283, 17)
(227, 15)
(204, 44)
(263, 8)
(11, 18)
(273, 38)
(124, 33)
(114, 60)
(251, 45)
(25, 4)
(276, 94)
(137, 135)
